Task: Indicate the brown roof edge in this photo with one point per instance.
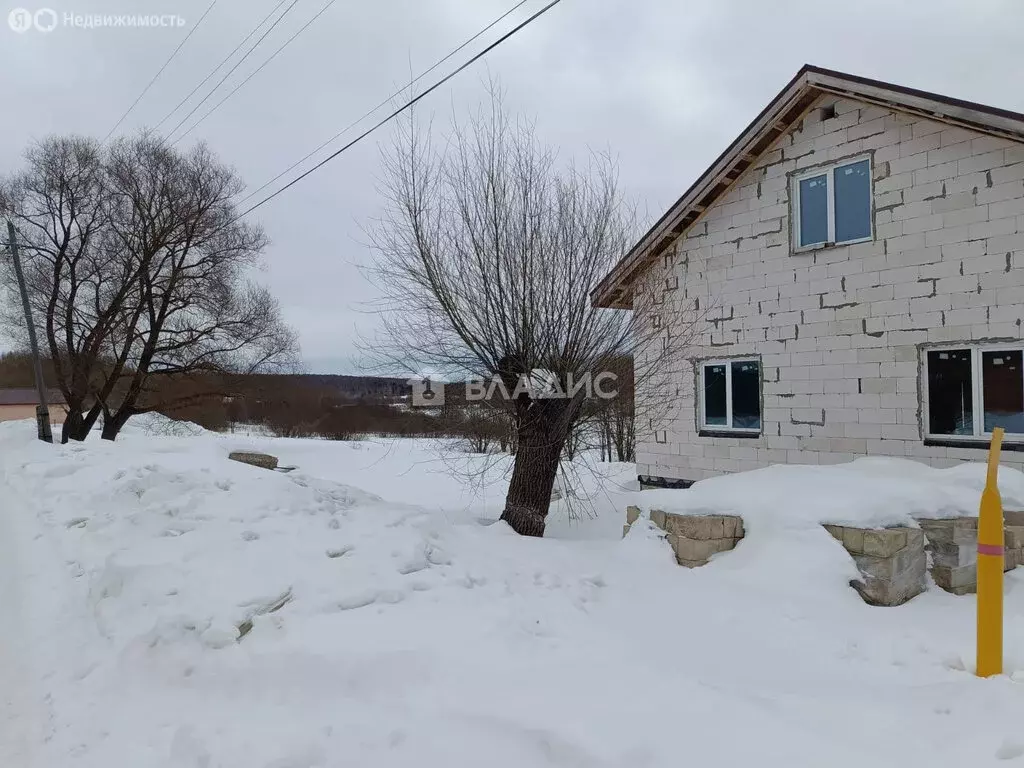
(612, 290)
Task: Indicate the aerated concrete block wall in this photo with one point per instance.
(840, 331)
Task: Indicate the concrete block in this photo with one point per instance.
(632, 514)
(853, 540)
(1013, 517)
(690, 526)
(692, 549)
(947, 554)
(884, 542)
(950, 579)
(716, 527)
(957, 530)
(261, 460)
(658, 518)
(1013, 536)
(892, 592)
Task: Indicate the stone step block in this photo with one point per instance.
(960, 580)
(955, 530)
(953, 543)
(1014, 536)
(951, 555)
(262, 460)
(896, 591)
(693, 538)
(705, 526)
(1014, 517)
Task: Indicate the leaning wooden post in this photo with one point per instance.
(990, 568)
(42, 410)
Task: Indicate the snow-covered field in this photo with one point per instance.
(164, 606)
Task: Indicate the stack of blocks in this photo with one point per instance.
(891, 561)
(693, 538)
(953, 544)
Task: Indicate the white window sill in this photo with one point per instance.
(825, 246)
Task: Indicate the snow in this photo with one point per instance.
(868, 492)
(167, 607)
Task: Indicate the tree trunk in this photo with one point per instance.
(540, 442)
(90, 419)
(113, 423)
(78, 425)
(72, 425)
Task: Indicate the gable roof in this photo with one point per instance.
(614, 291)
(19, 396)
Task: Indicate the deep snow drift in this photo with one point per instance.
(166, 607)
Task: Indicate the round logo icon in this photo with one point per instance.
(20, 20)
(45, 19)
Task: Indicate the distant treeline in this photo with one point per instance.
(337, 407)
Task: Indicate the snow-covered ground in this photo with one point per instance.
(164, 606)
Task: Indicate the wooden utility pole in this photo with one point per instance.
(42, 410)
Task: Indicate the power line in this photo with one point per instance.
(216, 69)
(404, 107)
(255, 72)
(160, 71)
(388, 100)
(232, 70)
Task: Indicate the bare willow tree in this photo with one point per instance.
(488, 252)
(136, 262)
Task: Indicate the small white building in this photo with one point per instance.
(861, 249)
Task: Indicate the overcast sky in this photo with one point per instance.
(664, 84)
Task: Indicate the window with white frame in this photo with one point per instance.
(972, 390)
(832, 205)
(731, 395)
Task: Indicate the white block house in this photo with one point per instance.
(860, 250)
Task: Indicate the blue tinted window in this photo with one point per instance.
(852, 201)
(746, 394)
(714, 396)
(950, 393)
(813, 210)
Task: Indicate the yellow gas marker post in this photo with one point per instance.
(990, 568)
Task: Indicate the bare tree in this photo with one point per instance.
(136, 260)
(488, 252)
(193, 311)
(76, 284)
